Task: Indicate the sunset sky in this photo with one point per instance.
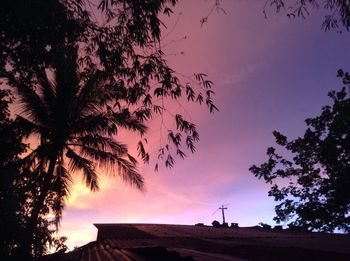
(269, 74)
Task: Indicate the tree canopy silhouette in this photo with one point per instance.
(81, 71)
(311, 182)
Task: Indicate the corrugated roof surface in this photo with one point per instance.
(107, 250)
(180, 242)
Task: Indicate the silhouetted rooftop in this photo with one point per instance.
(184, 242)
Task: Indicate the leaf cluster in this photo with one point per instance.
(338, 16)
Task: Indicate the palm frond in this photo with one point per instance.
(123, 165)
(95, 92)
(95, 95)
(103, 158)
(28, 127)
(99, 142)
(132, 159)
(76, 162)
(92, 124)
(61, 190)
(130, 173)
(32, 105)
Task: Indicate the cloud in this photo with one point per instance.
(232, 77)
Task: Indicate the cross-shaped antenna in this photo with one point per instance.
(223, 213)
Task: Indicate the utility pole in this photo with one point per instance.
(223, 213)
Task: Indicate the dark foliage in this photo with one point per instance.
(313, 185)
(10, 142)
(15, 194)
(338, 11)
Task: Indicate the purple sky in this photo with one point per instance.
(269, 74)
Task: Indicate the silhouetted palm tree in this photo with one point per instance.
(76, 118)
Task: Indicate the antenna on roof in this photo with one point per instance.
(223, 213)
(222, 208)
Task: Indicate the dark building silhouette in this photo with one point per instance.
(184, 242)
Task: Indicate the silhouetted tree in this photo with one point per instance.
(312, 185)
(15, 194)
(83, 70)
(11, 146)
(338, 15)
(76, 121)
